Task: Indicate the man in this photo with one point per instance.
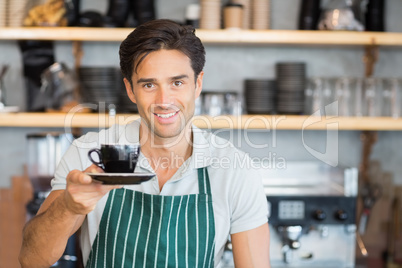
(184, 215)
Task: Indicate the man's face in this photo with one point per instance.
(164, 89)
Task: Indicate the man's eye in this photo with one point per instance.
(148, 85)
(177, 83)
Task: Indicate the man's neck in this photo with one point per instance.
(166, 153)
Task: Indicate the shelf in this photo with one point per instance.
(274, 37)
(250, 122)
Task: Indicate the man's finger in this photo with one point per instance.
(78, 177)
(85, 179)
(94, 169)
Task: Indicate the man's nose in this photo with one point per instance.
(164, 97)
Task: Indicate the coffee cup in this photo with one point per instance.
(116, 158)
(233, 16)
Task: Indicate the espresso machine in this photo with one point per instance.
(44, 152)
(312, 215)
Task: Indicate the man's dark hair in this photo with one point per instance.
(160, 34)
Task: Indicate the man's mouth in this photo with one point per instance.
(166, 115)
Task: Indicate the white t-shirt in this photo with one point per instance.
(239, 201)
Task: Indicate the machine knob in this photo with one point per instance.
(341, 215)
(320, 215)
(295, 245)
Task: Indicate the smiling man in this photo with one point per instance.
(199, 196)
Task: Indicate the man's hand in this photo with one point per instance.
(82, 193)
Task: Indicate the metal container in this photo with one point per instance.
(44, 151)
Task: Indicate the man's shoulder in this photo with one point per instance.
(113, 134)
(216, 144)
(222, 154)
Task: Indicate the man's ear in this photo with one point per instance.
(129, 90)
(198, 85)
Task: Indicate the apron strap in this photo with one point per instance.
(204, 186)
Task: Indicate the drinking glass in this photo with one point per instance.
(342, 95)
(392, 97)
(214, 103)
(372, 97)
(233, 104)
(319, 94)
(328, 97)
(312, 95)
(348, 93)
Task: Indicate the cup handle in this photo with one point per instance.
(98, 152)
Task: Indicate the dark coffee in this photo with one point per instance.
(119, 166)
(116, 158)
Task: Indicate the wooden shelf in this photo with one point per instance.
(258, 37)
(250, 122)
(274, 37)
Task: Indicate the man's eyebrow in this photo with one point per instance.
(178, 77)
(145, 80)
(150, 80)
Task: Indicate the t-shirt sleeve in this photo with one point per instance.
(249, 204)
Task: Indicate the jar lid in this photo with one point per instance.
(193, 12)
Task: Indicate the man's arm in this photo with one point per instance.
(60, 216)
(45, 236)
(251, 248)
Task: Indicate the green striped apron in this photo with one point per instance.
(144, 230)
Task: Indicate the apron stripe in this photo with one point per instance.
(197, 231)
(207, 223)
(168, 232)
(211, 264)
(206, 180)
(128, 230)
(207, 243)
(182, 236)
(159, 234)
(107, 229)
(117, 230)
(203, 181)
(187, 234)
(97, 251)
(149, 231)
(176, 237)
(138, 232)
(212, 223)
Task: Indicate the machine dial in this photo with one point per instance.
(341, 215)
(320, 215)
